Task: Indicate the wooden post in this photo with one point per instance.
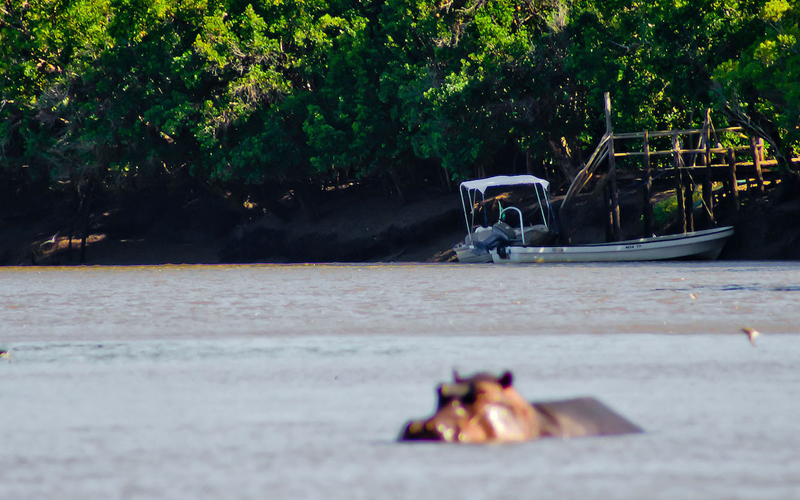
(732, 176)
(648, 188)
(708, 187)
(754, 149)
(688, 203)
(608, 212)
(676, 161)
(612, 174)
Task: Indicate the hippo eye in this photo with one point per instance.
(469, 397)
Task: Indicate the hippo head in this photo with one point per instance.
(477, 409)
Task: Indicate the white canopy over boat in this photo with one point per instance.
(503, 180)
(470, 189)
(473, 196)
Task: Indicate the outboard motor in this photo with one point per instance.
(502, 234)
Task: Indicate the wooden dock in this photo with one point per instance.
(689, 161)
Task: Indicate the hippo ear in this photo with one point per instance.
(506, 379)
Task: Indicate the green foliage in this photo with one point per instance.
(115, 92)
(665, 209)
(761, 88)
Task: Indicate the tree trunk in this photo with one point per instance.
(86, 219)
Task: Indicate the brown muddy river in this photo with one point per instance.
(239, 382)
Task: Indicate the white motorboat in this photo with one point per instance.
(532, 243)
(706, 244)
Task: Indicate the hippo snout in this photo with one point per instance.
(426, 430)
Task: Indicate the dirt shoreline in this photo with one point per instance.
(197, 226)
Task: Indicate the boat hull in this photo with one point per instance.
(706, 244)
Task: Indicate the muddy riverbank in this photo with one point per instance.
(195, 225)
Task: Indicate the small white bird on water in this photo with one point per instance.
(752, 333)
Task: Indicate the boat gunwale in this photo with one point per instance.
(704, 233)
(653, 241)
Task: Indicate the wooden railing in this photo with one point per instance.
(708, 162)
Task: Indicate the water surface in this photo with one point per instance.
(294, 381)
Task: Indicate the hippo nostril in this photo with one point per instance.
(448, 434)
(419, 430)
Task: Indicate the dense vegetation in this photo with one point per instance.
(274, 93)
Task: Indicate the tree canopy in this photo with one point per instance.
(121, 92)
